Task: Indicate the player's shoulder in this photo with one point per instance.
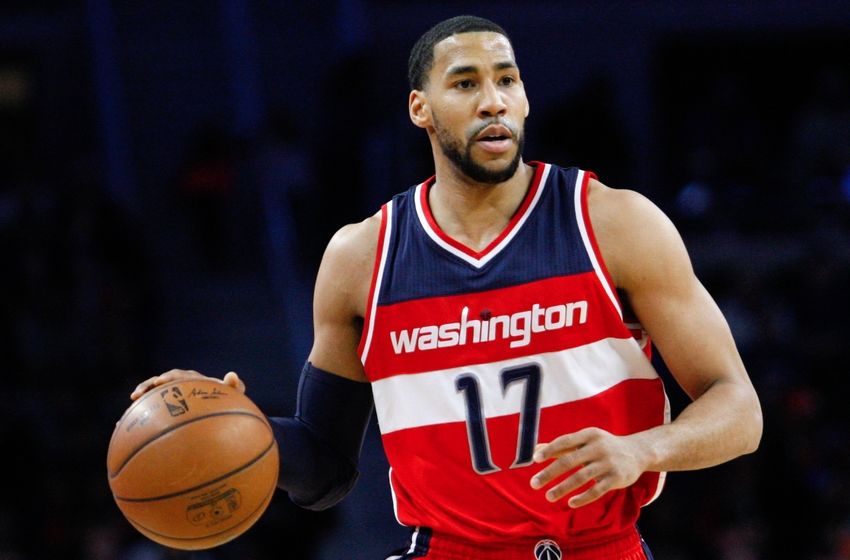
(356, 241)
(604, 199)
(631, 230)
(356, 237)
(350, 253)
(624, 210)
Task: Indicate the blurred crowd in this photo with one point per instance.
(760, 193)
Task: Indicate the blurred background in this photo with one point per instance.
(170, 173)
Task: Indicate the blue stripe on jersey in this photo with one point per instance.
(548, 244)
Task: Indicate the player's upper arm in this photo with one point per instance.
(339, 298)
(647, 259)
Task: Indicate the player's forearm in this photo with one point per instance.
(320, 446)
(315, 474)
(723, 423)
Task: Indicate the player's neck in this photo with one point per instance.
(474, 213)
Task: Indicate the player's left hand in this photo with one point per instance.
(231, 378)
(610, 461)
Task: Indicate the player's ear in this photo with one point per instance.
(527, 107)
(417, 105)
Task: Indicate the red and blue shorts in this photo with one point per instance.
(426, 544)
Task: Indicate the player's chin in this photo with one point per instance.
(494, 172)
(495, 161)
(500, 164)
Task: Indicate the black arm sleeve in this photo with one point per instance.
(320, 446)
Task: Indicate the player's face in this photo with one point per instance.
(476, 105)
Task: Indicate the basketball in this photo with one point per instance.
(192, 464)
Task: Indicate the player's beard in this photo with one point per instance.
(461, 156)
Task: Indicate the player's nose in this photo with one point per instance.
(492, 101)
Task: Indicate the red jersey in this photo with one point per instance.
(476, 356)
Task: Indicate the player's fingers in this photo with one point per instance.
(232, 378)
(561, 444)
(572, 482)
(556, 468)
(142, 388)
(590, 495)
(162, 379)
(558, 446)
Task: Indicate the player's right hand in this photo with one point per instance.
(231, 379)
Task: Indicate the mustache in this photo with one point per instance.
(490, 122)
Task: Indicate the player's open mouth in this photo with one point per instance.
(495, 144)
(495, 138)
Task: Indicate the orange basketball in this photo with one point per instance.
(192, 464)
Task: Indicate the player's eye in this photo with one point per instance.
(464, 84)
(507, 80)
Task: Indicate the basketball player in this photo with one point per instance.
(498, 315)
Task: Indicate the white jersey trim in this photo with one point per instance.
(479, 262)
(425, 399)
(380, 276)
(585, 237)
(395, 500)
(662, 476)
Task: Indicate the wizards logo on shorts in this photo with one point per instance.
(547, 550)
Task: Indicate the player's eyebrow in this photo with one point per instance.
(472, 69)
(457, 70)
(504, 65)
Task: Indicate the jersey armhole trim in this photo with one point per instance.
(662, 476)
(590, 243)
(375, 285)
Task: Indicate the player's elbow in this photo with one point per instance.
(756, 423)
(314, 474)
(752, 422)
(327, 493)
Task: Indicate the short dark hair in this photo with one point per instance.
(422, 54)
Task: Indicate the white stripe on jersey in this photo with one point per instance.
(374, 303)
(580, 218)
(424, 399)
(478, 263)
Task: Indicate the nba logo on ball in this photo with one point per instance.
(547, 550)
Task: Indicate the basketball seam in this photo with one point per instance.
(199, 486)
(180, 425)
(266, 501)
